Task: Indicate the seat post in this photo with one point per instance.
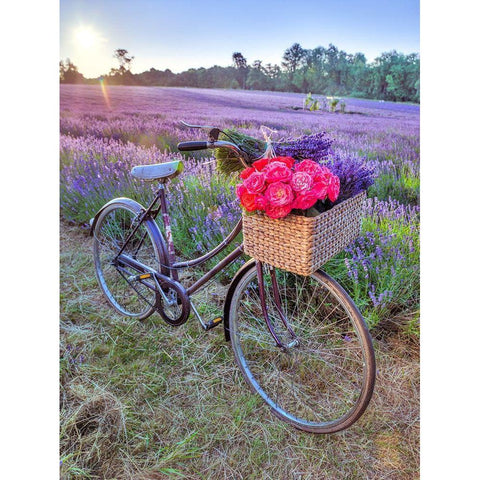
(168, 228)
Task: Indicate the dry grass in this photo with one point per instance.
(143, 400)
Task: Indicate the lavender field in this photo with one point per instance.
(126, 372)
(105, 133)
(381, 130)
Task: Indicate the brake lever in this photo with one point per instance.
(196, 126)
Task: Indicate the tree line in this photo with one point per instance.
(321, 70)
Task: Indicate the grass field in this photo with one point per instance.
(143, 400)
(146, 400)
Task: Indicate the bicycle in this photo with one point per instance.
(300, 342)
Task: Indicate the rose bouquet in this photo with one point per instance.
(296, 215)
(304, 205)
(279, 186)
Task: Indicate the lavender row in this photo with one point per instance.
(379, 130)
(367, 139)
(94, 171)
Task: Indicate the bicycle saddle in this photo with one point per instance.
(158, 171)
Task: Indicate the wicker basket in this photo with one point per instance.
(302, 244)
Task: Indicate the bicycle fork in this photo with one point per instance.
(278, 307)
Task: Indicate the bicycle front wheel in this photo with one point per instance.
(112, 229)
(323, 379)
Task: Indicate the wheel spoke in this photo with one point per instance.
(112, 229)
(318, 383)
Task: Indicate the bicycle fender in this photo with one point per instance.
(137, 208)
(121, 200)
(228, 298)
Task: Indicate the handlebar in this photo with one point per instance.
(213, 142)
(187, 146)
(190, 146)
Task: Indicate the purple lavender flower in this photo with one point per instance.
(354, 173)
(315, 147)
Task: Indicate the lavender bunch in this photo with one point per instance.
(354, 174)
(316, 147)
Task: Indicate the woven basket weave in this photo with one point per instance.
(302, 244)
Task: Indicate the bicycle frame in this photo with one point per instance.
(170, 262)
(172, 266)
(159, 205)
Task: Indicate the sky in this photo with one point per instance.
(180, 34)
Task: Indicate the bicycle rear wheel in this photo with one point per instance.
(323, 381)
(112, 228)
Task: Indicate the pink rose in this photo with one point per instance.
(277, 172)
(301, 181)
(247, 172)
(260, 202)
(333, 188)
(263, 162)
(260, 164)
(288, 161)
(277, 211)
(308, 166)
(320, 189)
(279, 194)
(240, 190)
(305, 200)
(255, 182)
(248, 200)
(323, 174)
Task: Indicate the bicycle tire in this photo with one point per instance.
(114, 222)
(301, 384)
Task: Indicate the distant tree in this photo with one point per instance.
(122, 75)
(69, 72)
(292, 60)
(123, 58)
(62, 71)
(293, 57)
(257, 65)
(234, 84)
(402, 78)
(239, 60)
(333, 67)
(257, 80)
(315, 58)
(359, 73)
(125, 61)
(395, 76)
(273, 71)
(240, 63)
(156, 77)
(188, 78)
(221, 77)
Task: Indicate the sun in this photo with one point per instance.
(86, 37)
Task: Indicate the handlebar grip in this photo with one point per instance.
(189, 146)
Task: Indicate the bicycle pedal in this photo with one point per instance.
(142, 276)
(213, 323)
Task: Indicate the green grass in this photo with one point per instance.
(401, 186)
(143, 400)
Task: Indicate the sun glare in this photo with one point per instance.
(86, 37)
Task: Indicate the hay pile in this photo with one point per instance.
(92, 429)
